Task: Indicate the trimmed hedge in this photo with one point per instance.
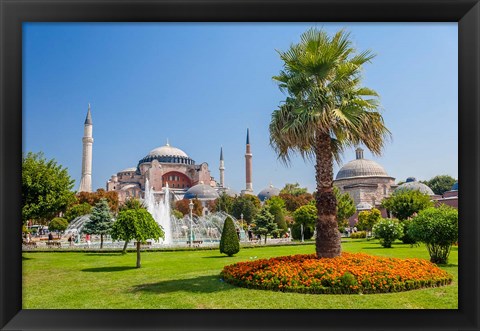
(358, 235)
(229, 242)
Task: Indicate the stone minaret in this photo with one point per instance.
(86, 181)
(222, 169)
(248, 168)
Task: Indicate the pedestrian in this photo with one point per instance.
(50, 236)
(70, 240)
(87, 238)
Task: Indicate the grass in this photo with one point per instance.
(190, 279)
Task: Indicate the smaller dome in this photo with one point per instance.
(455, 187)
(268, 192)
(364, 206)
(361, 167)
(414, 186)
(228, 191)
(202, 192)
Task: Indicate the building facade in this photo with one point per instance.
(161, 167)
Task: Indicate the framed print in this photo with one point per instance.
(239, 165)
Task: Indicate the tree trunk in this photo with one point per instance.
(125, 247)
(138, 253)
(101, 241)
(327, 240)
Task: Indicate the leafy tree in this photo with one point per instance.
(254, 199)
(440, 184)
(405, 204)
(246, 206)
(345, 207)
(77, 210)
(293, 189)
(183, 207)
(229, 242)
(367, 219)
(276, 207)
(306, 216)
(325, 111)
(132, 203)
(293, 202)
(438, 229)
(136, 224)
(265, 223)
(224, 203)
(100, 222)
(46, 188)
(92, 198)
(387, 231)
(58, 224)
(129, 204)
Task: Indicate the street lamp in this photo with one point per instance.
(190, 205)
(301, 229)
(241, 222)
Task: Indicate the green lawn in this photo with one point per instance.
(190, 279)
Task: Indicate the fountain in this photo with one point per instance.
(207, 228)
(160, 210)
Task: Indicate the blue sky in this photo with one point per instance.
(202, 84)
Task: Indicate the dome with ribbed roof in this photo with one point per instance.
(361, 167)
(268, 192)
(202, 192)
(413, 185)
(167, 154)
(167, 150)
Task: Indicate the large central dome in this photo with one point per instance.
(361, 168)
(167, 150)
(167, 154)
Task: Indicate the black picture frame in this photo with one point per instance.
(15, 12)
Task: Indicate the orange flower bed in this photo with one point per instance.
(345, 274)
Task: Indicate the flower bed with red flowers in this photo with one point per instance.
(345, 274)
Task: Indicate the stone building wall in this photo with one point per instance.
(371, 189)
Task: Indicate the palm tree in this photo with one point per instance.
(325, 111)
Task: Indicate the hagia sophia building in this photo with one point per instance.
(366, 181)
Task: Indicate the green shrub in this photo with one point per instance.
(229, 243)
(306, 215)
(438, 229)
(387, 231)
(407, 237)
(367, 219)
(297, 231)
(358, 235)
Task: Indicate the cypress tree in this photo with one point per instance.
(229, 243)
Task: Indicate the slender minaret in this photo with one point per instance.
(222, 169)
(86, 181)
(248, 167)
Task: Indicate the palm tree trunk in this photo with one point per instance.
(327, 240)
(138, 253)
